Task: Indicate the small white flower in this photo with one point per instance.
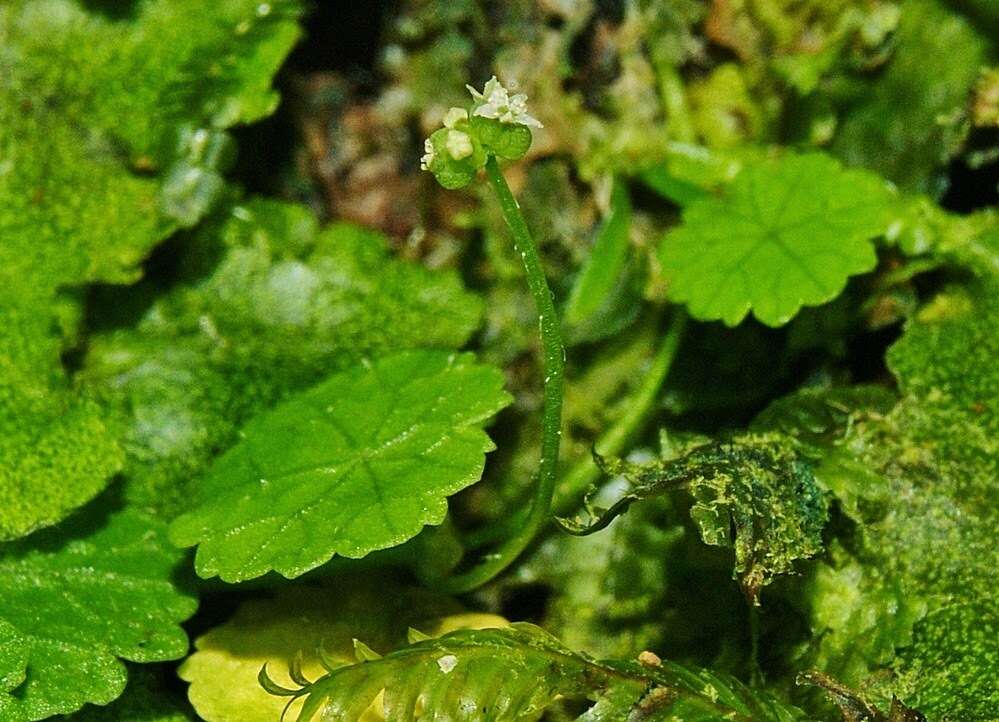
(496, 102)
(458, 144)
(455, 116)
(428, 155)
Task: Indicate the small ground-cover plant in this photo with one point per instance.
(671, 397)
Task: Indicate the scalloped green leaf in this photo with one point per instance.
(78, 599)
(286, 305)
(786, 233)
(14, 653)
(361, 462)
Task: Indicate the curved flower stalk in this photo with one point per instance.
(498, 126)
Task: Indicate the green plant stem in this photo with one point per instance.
(553, 363)
(613, 441)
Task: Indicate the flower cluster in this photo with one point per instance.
(498, 125)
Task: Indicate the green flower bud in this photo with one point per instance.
(453, 156)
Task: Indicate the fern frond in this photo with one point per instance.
(514, 673)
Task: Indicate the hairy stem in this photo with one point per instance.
(553, 362)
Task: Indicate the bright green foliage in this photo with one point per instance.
(860, 619)
(76, 599)
(88, 102)
(754, 494)
(14, 653)
(948, 429)
(150, 312)
(951, 667)
(899, 127)
(56, 449)
(932, 545)
(940, 536)
(515, 673)
(146, 699)
(285, 306)
(106, 145)
(57, 455)
(942, 362)
(368, 456)
(786, 233)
